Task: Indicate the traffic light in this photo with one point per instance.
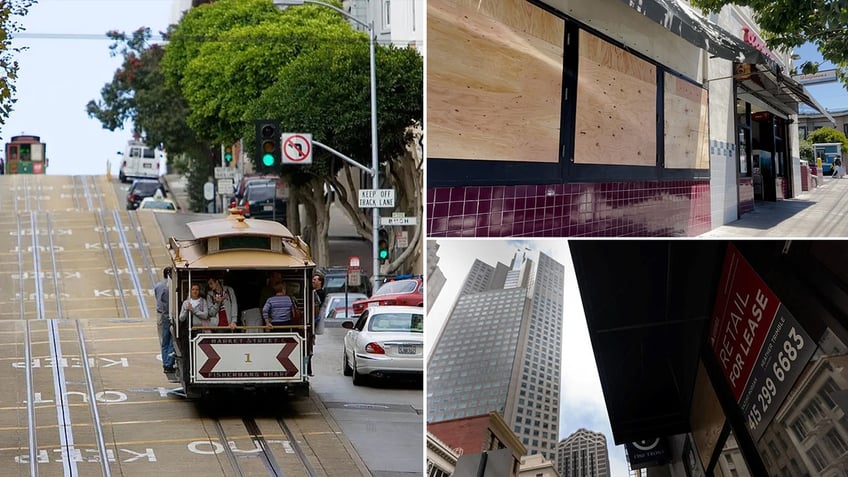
(383, 245)
(228, 155)
(268, 142)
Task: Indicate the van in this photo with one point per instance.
(260, 201)
(140, 162)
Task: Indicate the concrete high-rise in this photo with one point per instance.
(499, 350)
(435, 277)
(583, 453)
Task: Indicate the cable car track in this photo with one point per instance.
(264, 451)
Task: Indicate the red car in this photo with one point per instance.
(405, 292)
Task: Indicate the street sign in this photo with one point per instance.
(824, 76)
(402, 239)
(398, 220)
(353, 272)
(225, 186)
(370, 198)
(225, 172)
(209, 191)
(297, 148)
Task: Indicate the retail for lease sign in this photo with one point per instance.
(760, 346)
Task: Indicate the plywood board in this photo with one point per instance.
(686, 125)
(494, 81)
(616, 106)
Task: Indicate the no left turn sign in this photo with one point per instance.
(297, 148)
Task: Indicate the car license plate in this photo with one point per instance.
(267, 208)
(406, 349)
(147, 166)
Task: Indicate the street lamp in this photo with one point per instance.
(375, 164)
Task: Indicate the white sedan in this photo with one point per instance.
(385, 340)
(154, 204)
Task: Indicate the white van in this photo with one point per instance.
(140, 162)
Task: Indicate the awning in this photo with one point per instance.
(778, 91)
(681, 19)
(765, 82)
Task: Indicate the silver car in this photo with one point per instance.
(385, 340)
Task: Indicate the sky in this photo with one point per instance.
(833, 96)
(582, 401)
(59, 76)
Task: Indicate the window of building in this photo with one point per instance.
(387, 17)
(600, 111)
(835, 443)
(817, 457)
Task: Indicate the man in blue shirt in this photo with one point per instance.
(163, 309)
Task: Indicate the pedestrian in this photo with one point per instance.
(195, 307)
(278, 309)
(318, 297)
(163, 322)
(222, 304)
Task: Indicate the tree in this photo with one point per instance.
(9, 67)
(824, 135)
(139, 93)
(327, 92)
(790, 23)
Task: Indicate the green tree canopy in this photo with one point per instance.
(825, 135)
(791, 23)
(9, 11)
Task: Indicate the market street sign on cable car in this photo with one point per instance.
(222, 358)
(370, 198)
(297, 148)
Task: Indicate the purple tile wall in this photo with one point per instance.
(746, 195)
(615, 209)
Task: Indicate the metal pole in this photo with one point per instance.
(375, 164)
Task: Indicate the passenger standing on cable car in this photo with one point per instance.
(278, 309)
(163, 309)
(222, 304)
(195, 307)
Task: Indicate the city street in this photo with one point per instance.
(816, 213)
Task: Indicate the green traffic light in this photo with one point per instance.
(228, 157)
(384, 254)
(268, 160)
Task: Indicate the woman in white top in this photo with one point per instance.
(223, 308)
(195, 307)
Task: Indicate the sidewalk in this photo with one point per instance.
(341, 226)
(821, 212)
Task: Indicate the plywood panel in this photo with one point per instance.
(686, 125)
(616, 106)
(494, 81)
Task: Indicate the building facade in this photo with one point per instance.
(648, 120)
(435, 277)
(499, 350)
(810, 121)
(584, 452)
(400, 23)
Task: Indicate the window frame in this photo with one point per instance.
(443, 172)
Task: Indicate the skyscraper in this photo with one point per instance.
(500, 350)
(435, 277)
(583, 453)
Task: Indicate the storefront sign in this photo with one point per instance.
(647, 453)
(760, 346)
(751, 38)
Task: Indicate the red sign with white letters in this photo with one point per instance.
(744, 310)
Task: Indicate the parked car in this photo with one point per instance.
(384, 341)
(335, 279)
(261, 201)
(142, 188)
(336, 302)
(407, 291)
(241, 187)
